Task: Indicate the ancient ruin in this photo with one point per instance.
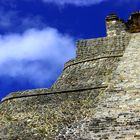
(97, 97)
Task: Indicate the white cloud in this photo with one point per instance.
(74, 2)
(11, 21)
(36, 55)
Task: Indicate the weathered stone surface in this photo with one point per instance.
(115, 25)
(117, 115)
(45, 116)
(97, 96)
(134, 22)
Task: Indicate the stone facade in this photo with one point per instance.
(97, 97)
(134, 22)
(115, 25)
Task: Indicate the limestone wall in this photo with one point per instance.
(97, 97)
(94, 63)
(43, 117)
(117, 115)
(100, 47)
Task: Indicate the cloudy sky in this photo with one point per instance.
(38, 36)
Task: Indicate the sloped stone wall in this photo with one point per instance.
(45, 117)
(117, 115)
(93, 73)
(94, 99)
(95, 61)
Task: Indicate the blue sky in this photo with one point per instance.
(38, 36)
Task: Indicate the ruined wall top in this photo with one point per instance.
(117, 26)
(134, 22)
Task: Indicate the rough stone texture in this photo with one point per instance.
(117, 115)
(95, 61)
(115, 25)
(97, 96)
(134, 22)
(45, 116)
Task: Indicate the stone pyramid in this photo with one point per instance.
(97, 96)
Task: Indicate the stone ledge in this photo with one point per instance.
(46, 92)
(91, 59)
(27, 92)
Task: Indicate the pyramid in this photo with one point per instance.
(97, 96)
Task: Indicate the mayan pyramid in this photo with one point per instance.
(97, 96)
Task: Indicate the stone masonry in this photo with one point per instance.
(97, 96)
